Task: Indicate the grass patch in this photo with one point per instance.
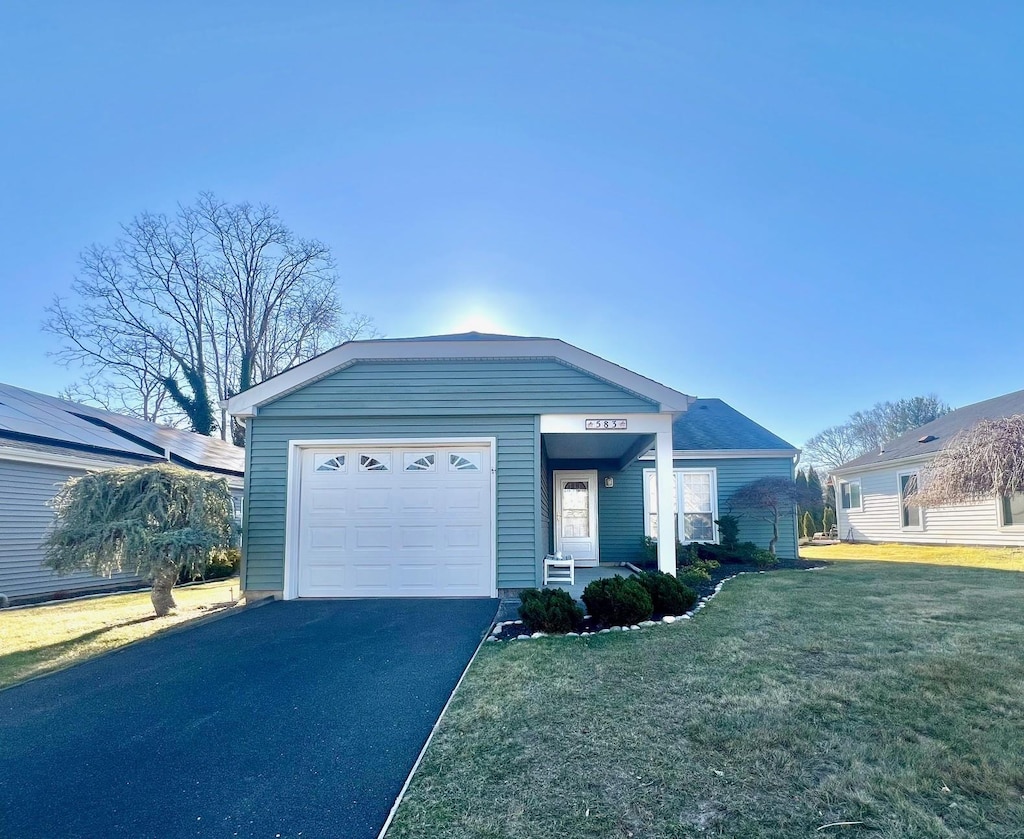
(889, 697)
(968, 556)
(39, 639)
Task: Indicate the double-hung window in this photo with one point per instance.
(1013, 510)
(695, 502)
(911, 515)
(849, 495)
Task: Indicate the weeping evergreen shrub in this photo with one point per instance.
(154, 521)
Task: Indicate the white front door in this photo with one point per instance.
(576, 515)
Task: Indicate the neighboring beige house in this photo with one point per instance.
(43, 442)
(870, 490)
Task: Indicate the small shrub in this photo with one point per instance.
(649, 552)
(549, 610)
(221, 563)
(807, 525)
(764, 559)
(696, 573)
(617, 601)
(668, 595)
(728, 531)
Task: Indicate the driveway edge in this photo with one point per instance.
(430, 737)
(220, 614)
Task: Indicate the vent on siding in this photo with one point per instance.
(927, 438)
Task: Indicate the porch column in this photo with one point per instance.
(666, 512)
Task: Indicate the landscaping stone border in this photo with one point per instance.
(496, 630)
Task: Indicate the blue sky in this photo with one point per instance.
(800, 208)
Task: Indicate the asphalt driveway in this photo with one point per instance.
(297, 719)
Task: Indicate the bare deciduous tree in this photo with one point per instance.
(199, 306)
(980, 462)
(865, 431)
(770, 498)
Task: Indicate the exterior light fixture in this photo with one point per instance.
(609, 482)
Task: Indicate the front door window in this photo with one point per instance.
(575, 510)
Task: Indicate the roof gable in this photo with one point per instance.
(937, 433)
(468, 346)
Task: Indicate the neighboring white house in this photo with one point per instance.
(871, 489)
(43, 442)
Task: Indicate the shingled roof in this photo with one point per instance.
(932, 436)
(711, 424)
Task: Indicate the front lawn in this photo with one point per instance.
(39, 639)
(890, 697)
(971, 556)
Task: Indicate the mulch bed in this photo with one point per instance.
(512, 630)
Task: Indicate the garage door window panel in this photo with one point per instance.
(375, 462)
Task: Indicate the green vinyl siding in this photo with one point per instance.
(452, 388)
(621, 508)
(424, 399)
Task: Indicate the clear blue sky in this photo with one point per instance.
(799, 208)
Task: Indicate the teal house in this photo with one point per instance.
(449, 466)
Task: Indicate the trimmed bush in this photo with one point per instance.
(549, 610)
(696, 573)
(829, 519)
(617, 601)
(668, 595)
(807, 525)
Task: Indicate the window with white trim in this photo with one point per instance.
(910, 516)
(694, 499)
(1013, 510)
(849, 495)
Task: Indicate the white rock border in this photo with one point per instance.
(668, 620)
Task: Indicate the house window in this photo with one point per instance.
(1013, 510)
(908, 487)
(849, 494)
(694, 499)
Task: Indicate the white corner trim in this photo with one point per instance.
(244, 403)
(294, 487)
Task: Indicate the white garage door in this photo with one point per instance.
(409, 521)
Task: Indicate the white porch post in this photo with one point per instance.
(666, 513)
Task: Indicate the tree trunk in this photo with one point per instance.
(775, 535)
(163, 600)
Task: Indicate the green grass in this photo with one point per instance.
(969, 556)
(888, 696)
(39, 639)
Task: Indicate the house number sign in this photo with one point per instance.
(606, 424)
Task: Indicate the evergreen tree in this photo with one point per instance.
(828, 519)
(153, 521)
(807, 525)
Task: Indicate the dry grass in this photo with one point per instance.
(967, 556)
(859, 693)
(39, 639)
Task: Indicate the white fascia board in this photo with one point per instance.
(895, 463)
(727, 454)
(246, 403)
